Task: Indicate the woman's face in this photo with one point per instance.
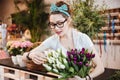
(58, 24)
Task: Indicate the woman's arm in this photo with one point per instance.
(99, 69)
(36, 55)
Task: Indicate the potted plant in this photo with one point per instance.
(34, 18)
(87, 17)
(17, 48)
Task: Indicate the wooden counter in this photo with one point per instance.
(22, 73)
(9, 70)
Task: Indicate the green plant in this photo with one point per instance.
(86, 17)
(34, 18)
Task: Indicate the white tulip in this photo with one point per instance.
(59, 50)
(58, 62)
(64, 54)
(54, 66)
(47, 67)
(49, 60)
(62, 66)
(52, 59)
(55, 70)
(65, 61)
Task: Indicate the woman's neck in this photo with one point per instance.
(67, 40)
(68, 35)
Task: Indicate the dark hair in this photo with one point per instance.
(58, 4)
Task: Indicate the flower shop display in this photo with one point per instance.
(75, 63)
(16, 49)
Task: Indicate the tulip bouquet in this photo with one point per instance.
(75, 62)
(18, 47)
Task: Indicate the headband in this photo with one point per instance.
(62, 9)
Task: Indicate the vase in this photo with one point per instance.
(14, 60)
(21, 63)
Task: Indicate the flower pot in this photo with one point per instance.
(21, 63)
(14, 60)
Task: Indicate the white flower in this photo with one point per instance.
(55, 54)
(62, 66)
(58, 62)
(49, 60)
(52, 59)
(55, 70)
(47, 67)
(65, 61)
(59, 50)
(54, 66)
(64, 54)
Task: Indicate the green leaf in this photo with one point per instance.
(75, 66)
(83, 71)
(84, 59)
(71, 69)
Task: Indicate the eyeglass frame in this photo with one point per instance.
(57, 24)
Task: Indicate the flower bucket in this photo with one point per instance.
(14, 60)
(21, 63)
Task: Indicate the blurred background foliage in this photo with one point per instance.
(34, 18)
(87, 17)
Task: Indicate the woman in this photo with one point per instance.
(66, 37)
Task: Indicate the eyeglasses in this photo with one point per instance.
(59, 24)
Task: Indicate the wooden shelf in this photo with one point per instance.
(114, 42)
(107, 28)
(114, 14)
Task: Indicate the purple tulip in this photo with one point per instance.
(69, 59)
(81, 59)
(73, 52)
(83, 50)
(86, 64)
(80, 63)
(88, 55)
(68, 53)
(75, 58)
(93, 55)
(75, 49)
(75, 62)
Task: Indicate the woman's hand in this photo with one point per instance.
(38, 58)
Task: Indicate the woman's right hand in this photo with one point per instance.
(38, 58)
